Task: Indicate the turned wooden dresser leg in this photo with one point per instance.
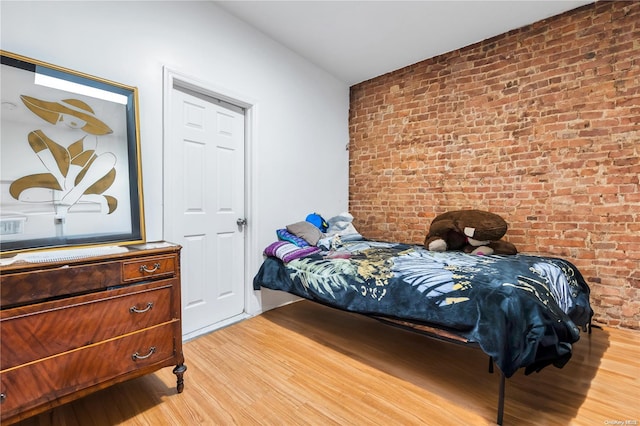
(179, 372)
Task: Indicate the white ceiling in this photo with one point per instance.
(359, 40)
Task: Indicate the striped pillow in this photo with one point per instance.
(285, 235)
(287, 251)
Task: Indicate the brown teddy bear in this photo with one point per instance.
(472, 231)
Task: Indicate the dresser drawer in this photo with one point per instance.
(148, 268)
(43, 382)
(35, 286)
(83, 321)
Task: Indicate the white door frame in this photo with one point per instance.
(171, 79)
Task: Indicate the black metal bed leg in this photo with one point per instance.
(501, 399)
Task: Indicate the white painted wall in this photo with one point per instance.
(299, 162)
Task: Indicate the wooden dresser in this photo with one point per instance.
(69, 328)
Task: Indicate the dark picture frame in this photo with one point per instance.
(70, 172)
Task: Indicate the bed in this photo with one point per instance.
(523, 311)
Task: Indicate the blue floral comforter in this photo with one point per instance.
(522, 310)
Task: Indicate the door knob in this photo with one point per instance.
(242, 221)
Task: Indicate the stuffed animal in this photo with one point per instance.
(472, 231)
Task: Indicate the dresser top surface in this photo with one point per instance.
(52, 258)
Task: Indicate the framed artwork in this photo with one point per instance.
(70, 171)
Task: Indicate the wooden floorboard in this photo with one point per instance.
(306, 364)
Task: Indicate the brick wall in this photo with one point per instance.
(540, 125)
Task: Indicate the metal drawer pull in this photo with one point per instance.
(137, 356)
(3, 396)
(135, 310)
(156, 266)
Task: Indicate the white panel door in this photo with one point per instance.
(208, 165)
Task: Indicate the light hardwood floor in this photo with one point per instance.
(306, 364)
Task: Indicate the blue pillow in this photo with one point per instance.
(285, 235)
